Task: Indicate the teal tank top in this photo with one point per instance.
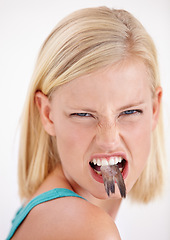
(44, 197)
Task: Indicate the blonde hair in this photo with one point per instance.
(82, 43)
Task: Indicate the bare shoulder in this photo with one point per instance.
(68, 218)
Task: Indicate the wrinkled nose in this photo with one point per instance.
(108, 137)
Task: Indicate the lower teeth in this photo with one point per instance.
(98, 172)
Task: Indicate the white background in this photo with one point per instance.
(24, 25)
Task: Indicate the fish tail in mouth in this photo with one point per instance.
(112, 174)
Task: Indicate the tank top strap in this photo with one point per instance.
(44, 197)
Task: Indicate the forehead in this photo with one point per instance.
(125, 81)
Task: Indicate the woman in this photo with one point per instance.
(95, 99)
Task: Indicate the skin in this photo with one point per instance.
(109, 111)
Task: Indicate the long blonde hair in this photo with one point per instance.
(81, 43)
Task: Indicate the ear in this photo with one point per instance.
(156, 106)
(44, 108)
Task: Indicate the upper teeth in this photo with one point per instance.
(105, 162)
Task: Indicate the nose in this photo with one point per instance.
(108, 136)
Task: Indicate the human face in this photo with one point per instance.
(109, 113)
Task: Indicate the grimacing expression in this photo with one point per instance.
(109, 114)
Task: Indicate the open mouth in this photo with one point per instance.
(116, 160)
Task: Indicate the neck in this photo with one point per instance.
(110, 205)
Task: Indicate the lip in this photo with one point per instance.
(98, 177)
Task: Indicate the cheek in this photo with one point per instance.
(140, 145)
(138, 133)
(142, 142)
(72, 140)
(137, 137)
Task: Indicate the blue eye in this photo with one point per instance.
(81, 114)
(131, 112)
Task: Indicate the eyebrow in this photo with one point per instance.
(131, 105)
(86, 109)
